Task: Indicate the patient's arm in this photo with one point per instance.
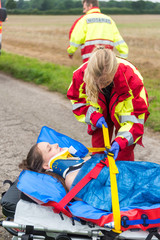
(69, 180)
(71, 175)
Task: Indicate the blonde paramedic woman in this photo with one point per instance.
(109, 90)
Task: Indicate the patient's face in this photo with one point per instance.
(48, 151)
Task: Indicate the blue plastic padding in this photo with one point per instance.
(45, 188)
(50, 135)
(138, 184)
(132, 177)
(41, 186)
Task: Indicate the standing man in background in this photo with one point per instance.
(95, 28)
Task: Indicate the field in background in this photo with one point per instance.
(46, 38)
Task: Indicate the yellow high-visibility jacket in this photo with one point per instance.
(95, 28)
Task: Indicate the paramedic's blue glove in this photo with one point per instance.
(115, 149)
(100, 122)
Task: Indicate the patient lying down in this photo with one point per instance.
(138, 182)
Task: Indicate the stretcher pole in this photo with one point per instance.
(114, 190)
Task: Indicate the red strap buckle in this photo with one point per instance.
(105, 162)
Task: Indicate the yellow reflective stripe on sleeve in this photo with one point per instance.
(137, 139)
(80, 118)
(142, 116)
(92, 107)
(81, 94)
(125, 127)
(73, 101)
(143, 95)
(96, 106)
(71, 50)
(77, 36)
(114, 190)
(124, 108)
(122, 49)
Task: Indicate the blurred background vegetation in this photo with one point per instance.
(74, 7)
(41, 42)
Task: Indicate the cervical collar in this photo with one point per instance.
(62, 155)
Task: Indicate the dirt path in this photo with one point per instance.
(25, 108)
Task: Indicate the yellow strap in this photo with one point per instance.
(96, 149)
(106, 137)
(114, 190)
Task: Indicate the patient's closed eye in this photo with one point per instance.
(49, 148)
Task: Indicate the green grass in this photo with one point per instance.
(58, 78)
(153, 121)
(54, 77)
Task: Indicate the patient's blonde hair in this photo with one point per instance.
(100, 71)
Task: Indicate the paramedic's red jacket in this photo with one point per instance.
(128, 107)
(95, 28)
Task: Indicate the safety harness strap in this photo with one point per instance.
(61, 206)
(72, 193)
(114, 190)
(93, 174)
(91, 150)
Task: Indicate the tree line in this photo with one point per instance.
(74, 7)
